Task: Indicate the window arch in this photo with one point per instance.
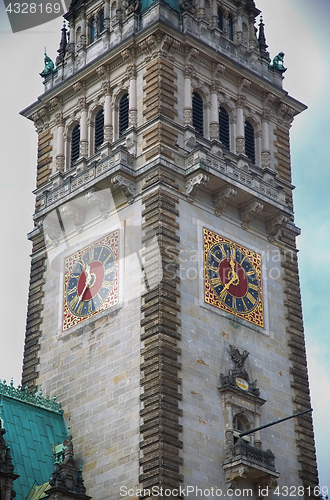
(198, 113)
(99, 130)
(230, 28)
(123, 113)
(224, 128)
(91, 30)
(249, 141)
(220, 20)
(75, 143)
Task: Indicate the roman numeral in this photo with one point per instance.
(233, 301)
(254, 287)
(216, 281)
(110, 269)
(250, 273)
(107, 284)
(91, 253)
(74, 302)
(251, 298)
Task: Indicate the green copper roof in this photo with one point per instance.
(145, 4)
(33, 425)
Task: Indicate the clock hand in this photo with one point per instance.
(87, 282)
(234, 280)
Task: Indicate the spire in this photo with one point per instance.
(262, 41)
(62, 49)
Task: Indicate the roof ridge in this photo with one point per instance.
(33, 398)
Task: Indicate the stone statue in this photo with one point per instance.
(49, 68)
(278, 62)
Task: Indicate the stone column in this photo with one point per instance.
(265, 148)
(114, 121)
(60, 159)
(214, 114)
(214, 13)
(187, 109)
(257, 436)
(107, 15)
(132, 96)
(201, 10)
(240, 136)
(83, 31)
(108, 131)
(239, 28)
(83, 127)
(72, 37)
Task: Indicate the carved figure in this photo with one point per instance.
(239, 371)
(49, 68)
(278, 62)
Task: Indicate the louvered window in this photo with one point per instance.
(99, 130)
(224, 130)
(220, 20)
(75, 142)
(123, 114)
(101, 21)
(91, 31)
(249, 141)
(230, 28)
(198, 113)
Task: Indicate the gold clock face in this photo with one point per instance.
(91, 280)
(232, 279)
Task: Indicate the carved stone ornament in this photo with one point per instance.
(71, 212)
(100, 199)
(275, 224)
(52, 229)
(248, 212)
(221, 198)
(238, 377)
(127, 186)
(195, 183)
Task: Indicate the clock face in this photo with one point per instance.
(91, 280)
(233, 278)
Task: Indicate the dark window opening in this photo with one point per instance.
(224, 130)
(91, 31)
(99, 129)
(249, 141)
(123, 114)
(230, 28)
(220, 20)
(198, 113)
(101, 21)
(75, 144)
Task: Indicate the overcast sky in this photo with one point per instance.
(299, 28)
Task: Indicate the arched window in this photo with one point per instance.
(198, 113)
(91, 31)
(249, 141)
(239, 426)
(224, 130)
(230, 28)
(220, 20)
(123, 114)
(75, 143)
(78, 35)
(99, 129)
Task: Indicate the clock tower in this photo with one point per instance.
(164, 305)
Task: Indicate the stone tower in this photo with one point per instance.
(164, 306)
